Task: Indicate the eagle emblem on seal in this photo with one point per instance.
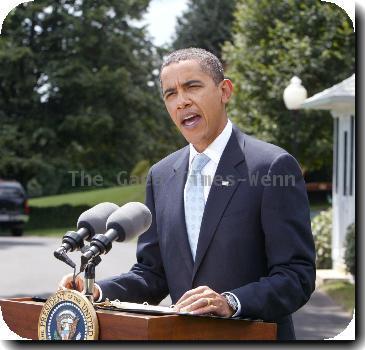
(66, 325)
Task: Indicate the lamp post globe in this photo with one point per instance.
(294, 95)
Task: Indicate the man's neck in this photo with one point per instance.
(200, 148)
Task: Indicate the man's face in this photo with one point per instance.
(195, 103)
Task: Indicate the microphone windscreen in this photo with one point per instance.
(94, 219)
(130, 221)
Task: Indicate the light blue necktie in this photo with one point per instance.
(194, 200)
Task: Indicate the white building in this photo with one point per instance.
(340, 101)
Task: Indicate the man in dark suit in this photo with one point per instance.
(231, 229)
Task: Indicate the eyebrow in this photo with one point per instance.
(184, 85)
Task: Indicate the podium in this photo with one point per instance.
(21, 315)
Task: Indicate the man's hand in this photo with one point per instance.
(66, 282)
(203, 300)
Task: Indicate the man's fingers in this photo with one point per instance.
(187, 302)
(66, 283)
(192, 299)
(203, 300)
(193, 295)
(200, 300)
(191, 292)
(207, 306)
(79, 284)
(197, 300)
(202, 306)
(209, 309)
(197, 304)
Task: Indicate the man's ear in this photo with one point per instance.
(227, 89)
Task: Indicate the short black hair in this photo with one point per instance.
(209, 63)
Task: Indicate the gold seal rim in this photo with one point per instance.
(73, 296)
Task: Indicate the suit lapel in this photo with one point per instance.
(220, 194)
(174, 207)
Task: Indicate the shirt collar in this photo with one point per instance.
(215, 150)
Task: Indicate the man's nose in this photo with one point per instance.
(183, 101)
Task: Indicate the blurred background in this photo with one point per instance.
(82, 119)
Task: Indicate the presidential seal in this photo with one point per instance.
(68, 315)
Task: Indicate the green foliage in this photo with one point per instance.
(272, 42)
(34, 189)
(350, 250)
(322, 233)
(141, 169)
(205, 24)
(77, 92)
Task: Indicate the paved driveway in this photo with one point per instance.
(320, 318)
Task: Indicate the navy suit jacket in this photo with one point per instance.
(255, 239)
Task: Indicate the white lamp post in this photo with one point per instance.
(294, 95)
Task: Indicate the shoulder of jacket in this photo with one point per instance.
(170, 160)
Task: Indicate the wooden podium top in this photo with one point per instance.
(21, 316)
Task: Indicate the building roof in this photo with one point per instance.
(338, 97)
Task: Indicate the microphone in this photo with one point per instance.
(90, 222)
(124, 224)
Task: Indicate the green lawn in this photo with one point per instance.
(343, 293)
(118, 195)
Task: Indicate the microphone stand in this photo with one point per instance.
(89, 277)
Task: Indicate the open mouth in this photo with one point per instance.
(191, 121)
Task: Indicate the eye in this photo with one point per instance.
(169, 94)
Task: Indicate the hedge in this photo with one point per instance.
(322, 232)
(58, 216)
(350, 250)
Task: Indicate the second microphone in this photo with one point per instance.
(127, 222)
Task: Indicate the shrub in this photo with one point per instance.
(64, 215)
(140, 170)
(350, 249)
(322, 232)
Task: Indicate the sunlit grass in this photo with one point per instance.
(343, 293)
(118, 195)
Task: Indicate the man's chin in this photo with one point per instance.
(191, 139)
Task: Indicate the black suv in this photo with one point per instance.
(14, 210)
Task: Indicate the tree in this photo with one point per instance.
(274, 40)
(206, 24)
(77, 91)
